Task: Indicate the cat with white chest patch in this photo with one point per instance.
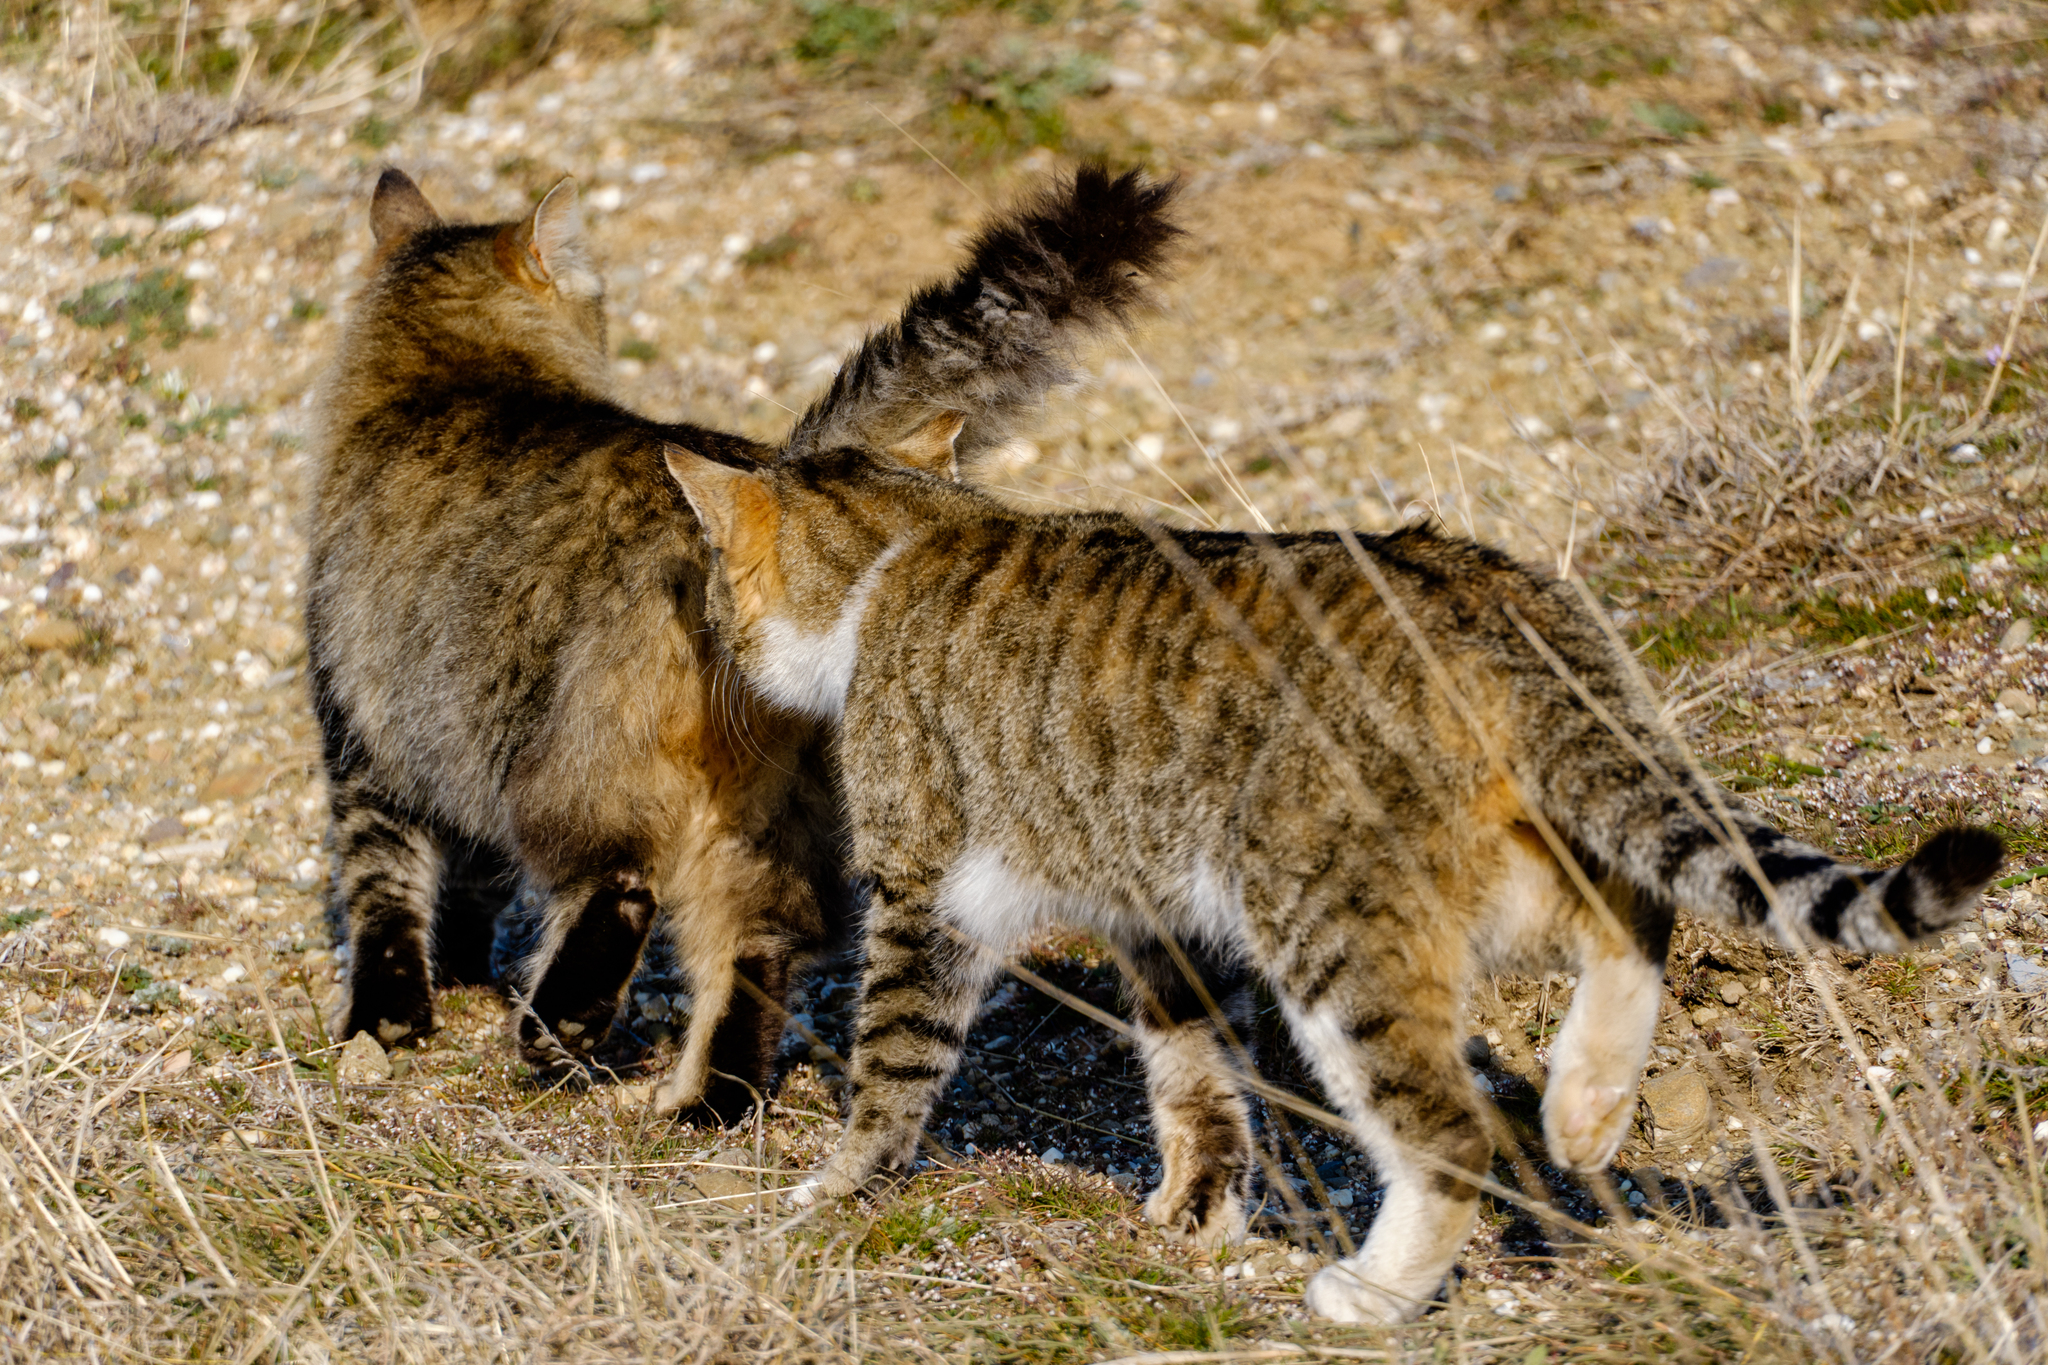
(1367, 769)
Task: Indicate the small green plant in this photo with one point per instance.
(1913, 9)
(375, 131)
(280, 175)
(156, 197)
(230, 1038)
(998, 107)
(1749, 771)
(839, 29)
(777, 250)
(863, 190)
(1707, 180)
(1053, 1193)
(104, 247)
(158, 995)
(17, 919)
(25, 409)
(1779, 111)
(307, 309)
(1667, 118)
(152, 303)
(211, 423)
(1898, 977)
(1206, 1330)
(637, 348)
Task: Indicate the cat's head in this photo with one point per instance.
(458, 294)
(797, 547)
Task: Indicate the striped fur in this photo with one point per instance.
(1094, 721)
(506, 645)
(990, 341)
(1235, 742)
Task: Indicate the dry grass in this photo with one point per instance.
(157, 1205)
(170, 1187)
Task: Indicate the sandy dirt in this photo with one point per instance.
(1440, 264)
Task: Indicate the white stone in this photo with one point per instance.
(362, 1062)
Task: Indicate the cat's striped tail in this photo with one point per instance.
(1645, 835)
(988, 343)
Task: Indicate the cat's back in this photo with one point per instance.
(1089, 648)
(493, 543)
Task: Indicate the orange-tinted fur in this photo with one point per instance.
(508, 654)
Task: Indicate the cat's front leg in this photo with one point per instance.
(920, 991)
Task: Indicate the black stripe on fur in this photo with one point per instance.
(1943, 878)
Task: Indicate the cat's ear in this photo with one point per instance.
(398, 209)
(731, 503)
(552, 248)
(930, 447)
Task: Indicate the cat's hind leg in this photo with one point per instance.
(386, 875)
(1199, 1115)
(745, 1042)
(1599, 1053)
(591, 934)
(1372, 982)
(729, 1048)
(478, 885)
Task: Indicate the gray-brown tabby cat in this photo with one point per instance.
(506, 645)
(1347, 761)
(506, 634)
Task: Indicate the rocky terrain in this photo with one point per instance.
(1732, 310)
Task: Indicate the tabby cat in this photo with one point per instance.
(506, 645)
(1370, 767)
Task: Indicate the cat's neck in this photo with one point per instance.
(386, 358)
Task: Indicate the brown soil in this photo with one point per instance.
(1529, 268)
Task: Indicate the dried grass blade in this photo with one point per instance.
(2012, 328)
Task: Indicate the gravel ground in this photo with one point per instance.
(1404, 288)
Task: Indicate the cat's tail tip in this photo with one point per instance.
(1100, 224)
(1941, 882)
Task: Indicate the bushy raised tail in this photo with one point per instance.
(988, 343)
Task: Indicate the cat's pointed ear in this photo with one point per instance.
(930, 447)
(727, 501)
(398, 209)
(552, 245)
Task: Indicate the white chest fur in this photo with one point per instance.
(808, 671)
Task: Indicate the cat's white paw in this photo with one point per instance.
(673, 1096)
(1584, 1123)
(1339, 1293)
(806, 1192)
